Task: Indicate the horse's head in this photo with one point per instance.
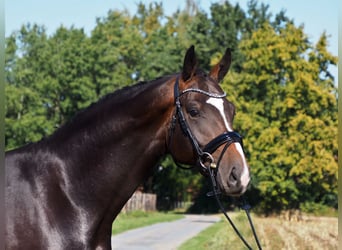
(204, 135)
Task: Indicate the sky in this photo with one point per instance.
(317, 16)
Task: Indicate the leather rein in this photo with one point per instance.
(205, 160)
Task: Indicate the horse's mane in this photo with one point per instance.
(117, 97)
(126, 92)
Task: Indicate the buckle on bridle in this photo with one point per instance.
(213, 165)
(206, 160)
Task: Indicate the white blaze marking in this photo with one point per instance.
(218, 104)
(245, 172)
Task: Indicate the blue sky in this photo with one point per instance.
(316, 15)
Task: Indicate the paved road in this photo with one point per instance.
(163, 236)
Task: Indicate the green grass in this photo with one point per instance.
(202, 240)
(221, 236)
(137, 219)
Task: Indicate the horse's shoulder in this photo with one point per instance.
(29, 164)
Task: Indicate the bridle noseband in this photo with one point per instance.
(204, 155)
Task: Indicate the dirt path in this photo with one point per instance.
(163, 236)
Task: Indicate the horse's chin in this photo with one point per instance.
(233, 192)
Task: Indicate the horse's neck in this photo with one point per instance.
(113, 150)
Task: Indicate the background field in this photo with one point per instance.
(274, 233)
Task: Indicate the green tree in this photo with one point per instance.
(161, 50)
(288, 114)
(67, 85)
(25, 114)
(117, 46)
(48, 82)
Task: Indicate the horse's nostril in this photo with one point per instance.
(233, 178)
(234, 174)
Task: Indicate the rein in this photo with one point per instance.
(204, 158)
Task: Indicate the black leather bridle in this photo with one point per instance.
(204, 155)
(205, 159)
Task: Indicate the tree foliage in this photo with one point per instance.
(280, 83)
(289, 108)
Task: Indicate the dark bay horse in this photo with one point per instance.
(65, 191)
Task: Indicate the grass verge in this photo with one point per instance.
(218, 235)
(274, 233)
(131, 220)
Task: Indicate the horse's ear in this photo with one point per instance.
(219, 71)
(190, 63)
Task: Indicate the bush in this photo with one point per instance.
(317, 209)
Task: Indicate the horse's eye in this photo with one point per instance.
(194, 113)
